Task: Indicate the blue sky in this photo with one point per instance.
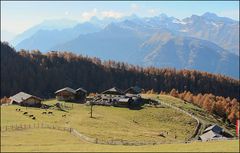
(21, 15)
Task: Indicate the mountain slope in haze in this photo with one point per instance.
(189, 53)
(46, 39)
(164, 49)
(220, 30)
(113, 42)
(58, 24)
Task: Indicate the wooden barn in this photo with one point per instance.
(81, 94)
(65, 94)
(25, 99)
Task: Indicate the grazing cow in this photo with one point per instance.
(19, 109)
(44, 112)
(135, 121)
(34, 118)
(30, 115)
(16, 109)
(64, 115)
(25, 113)
(50, 112)
(162, 134)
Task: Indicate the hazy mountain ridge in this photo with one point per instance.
(46, 39)
(45, 25)
(198, 42)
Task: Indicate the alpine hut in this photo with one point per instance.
(65, 94)
(25, 99)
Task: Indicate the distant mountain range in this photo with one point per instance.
(207, 42)
(45, 25)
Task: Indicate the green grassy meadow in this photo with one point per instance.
(111, 123)
(108, 123)
(35, 140)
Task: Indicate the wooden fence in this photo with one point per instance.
(33, 126)
(83, 137)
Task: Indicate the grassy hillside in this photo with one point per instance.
(204, 117)
(112, 123)
(108, 123)
(52, 140)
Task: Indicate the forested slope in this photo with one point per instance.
(42, 74)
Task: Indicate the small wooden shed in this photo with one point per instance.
(65, 94)
(81, 94)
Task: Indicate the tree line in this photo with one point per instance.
(226, 108)
(42, 74)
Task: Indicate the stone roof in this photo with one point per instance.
(66, 89)
(21, 96)
(210, 135)
(114, 91)
(81, 89)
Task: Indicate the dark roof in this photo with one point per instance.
(81, 89)
(66, 89)
(136, 89)
(214, 128)
(114, 91)
(21, 96)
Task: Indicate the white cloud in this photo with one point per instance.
(66, 13)
(88, 14)
(112, 14)
(135, 7)
(153, 11)
(234, 14)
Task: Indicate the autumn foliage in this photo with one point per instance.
(226, 108)
(41, 74)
